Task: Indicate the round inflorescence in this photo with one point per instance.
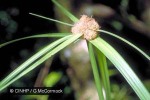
(86, 26)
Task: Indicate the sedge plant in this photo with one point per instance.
(99, 49)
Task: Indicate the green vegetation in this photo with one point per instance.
(98, 46)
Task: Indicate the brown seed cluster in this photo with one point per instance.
(86, 26)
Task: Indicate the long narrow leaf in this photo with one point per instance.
(51, 19)
(104, 73)
(31, 60)
(123, 67)
(41, 60)
(126, 41)
(67, 13)
(35, 36)
(95, 72)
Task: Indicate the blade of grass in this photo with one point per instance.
(67, 13)
(126, 41)
(95, 72)
(41, 60)
(104, 73)
(123, 67)
(51, 19)
(32, 59)
(35, 36)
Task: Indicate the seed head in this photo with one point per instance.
(86, 26)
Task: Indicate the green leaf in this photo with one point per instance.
(123, 67)
(95, 72)
(51, 19)
(35, 36)
(126, 41)
(41, 60)
(67, 13)
(52, 78)
(31, 60)
(104, 73)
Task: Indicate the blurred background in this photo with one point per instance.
(70, 69)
